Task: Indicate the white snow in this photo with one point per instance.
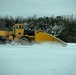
(44, 59)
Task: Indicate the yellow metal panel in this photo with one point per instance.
(4, 33)
(19, 32)
(10, 37)
(44, 37)
(10, 32)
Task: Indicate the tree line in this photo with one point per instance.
(63, 27)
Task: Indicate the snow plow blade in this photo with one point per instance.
(45, 37)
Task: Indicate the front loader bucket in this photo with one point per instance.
(42, 37)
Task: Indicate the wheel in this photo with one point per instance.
(24, 41)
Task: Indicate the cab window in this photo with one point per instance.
(18, 27)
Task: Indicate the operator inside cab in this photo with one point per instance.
(27, 31)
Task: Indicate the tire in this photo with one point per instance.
(24, 41)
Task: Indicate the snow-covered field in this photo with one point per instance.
(44, 59)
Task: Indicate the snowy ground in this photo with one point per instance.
(44, 59)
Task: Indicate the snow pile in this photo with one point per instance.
(44, 59)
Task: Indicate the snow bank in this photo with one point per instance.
(44, 59)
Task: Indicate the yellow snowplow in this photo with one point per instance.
(42, 37)
(22, 36)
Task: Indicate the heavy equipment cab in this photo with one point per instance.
(18, 30)
(21, 34)
(21, 29)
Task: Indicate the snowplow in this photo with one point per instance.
(24, 37)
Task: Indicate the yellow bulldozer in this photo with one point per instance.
(24, 37)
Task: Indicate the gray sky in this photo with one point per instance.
(27, 8)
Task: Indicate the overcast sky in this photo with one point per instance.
(40, 8)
